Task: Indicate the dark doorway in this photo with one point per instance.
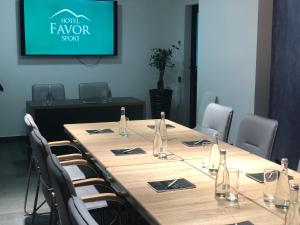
(193, 66)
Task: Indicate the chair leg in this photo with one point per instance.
(51, 215)
(36, 199)
(53, 209)
(28, 184)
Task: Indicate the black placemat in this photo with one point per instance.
(167, 126)
(176, 184)
(99, 131)
(259, 177)
(128, 151)
(242, 223)
(196, 143)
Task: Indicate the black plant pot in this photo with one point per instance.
(160, 102)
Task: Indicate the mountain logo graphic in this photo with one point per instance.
(71, 12)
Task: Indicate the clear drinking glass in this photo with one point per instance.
(233, 191)
(270, 182)
(205, 150)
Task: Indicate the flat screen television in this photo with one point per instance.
(69, 27)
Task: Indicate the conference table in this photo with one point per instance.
(131, 174)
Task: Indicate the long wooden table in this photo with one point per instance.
(191, 206)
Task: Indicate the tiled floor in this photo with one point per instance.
(13, 171)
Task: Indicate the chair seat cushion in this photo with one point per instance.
(74, 172)
(79, 172)
(90, 190)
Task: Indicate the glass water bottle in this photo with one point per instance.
(157, 143)
(282, 193)
(214, 156)
(123, 123)
(293, 214)
(164, 137)
(222, 178)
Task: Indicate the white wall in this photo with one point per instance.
(227, 54)
(144, 25)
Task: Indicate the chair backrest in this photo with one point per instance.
(51, 92)
(94, 91)
(208, 97)
(257, 134)
(217, 118)
(29, 122)
(40, 150)
(63, 188)
(78, 212)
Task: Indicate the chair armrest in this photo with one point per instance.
(69, 157)
(89, 181)
(74, 162)
(102, 197)
(59, 143)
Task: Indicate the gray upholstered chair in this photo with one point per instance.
(94, 91)
(96, 195)
(208, 97)
(78, 212)
(48, 92)
(257, 134)
(217, 118)
(77, 167)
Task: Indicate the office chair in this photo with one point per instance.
(95, 195)
(48, 92)
(95, 91)
(208, 97)
(80, 169)
(217, 118)
(256, 134)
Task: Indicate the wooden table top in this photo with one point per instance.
(193, 206)
(190, 206)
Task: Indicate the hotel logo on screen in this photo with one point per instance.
(68, 26)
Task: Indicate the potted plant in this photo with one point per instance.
(160, 98)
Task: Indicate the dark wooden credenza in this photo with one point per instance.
(50, 118)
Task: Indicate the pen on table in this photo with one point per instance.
(173, 182)
(202, 142)
(129, 150)
(197, 142)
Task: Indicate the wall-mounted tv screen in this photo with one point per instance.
(69, 27)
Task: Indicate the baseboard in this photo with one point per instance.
(13, 139)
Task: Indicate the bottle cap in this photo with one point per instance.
(216, 134)
(295, 187)
(284, 161)
(162, 113)
(223, 151)
(122, 108)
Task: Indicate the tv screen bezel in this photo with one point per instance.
(23, 36)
